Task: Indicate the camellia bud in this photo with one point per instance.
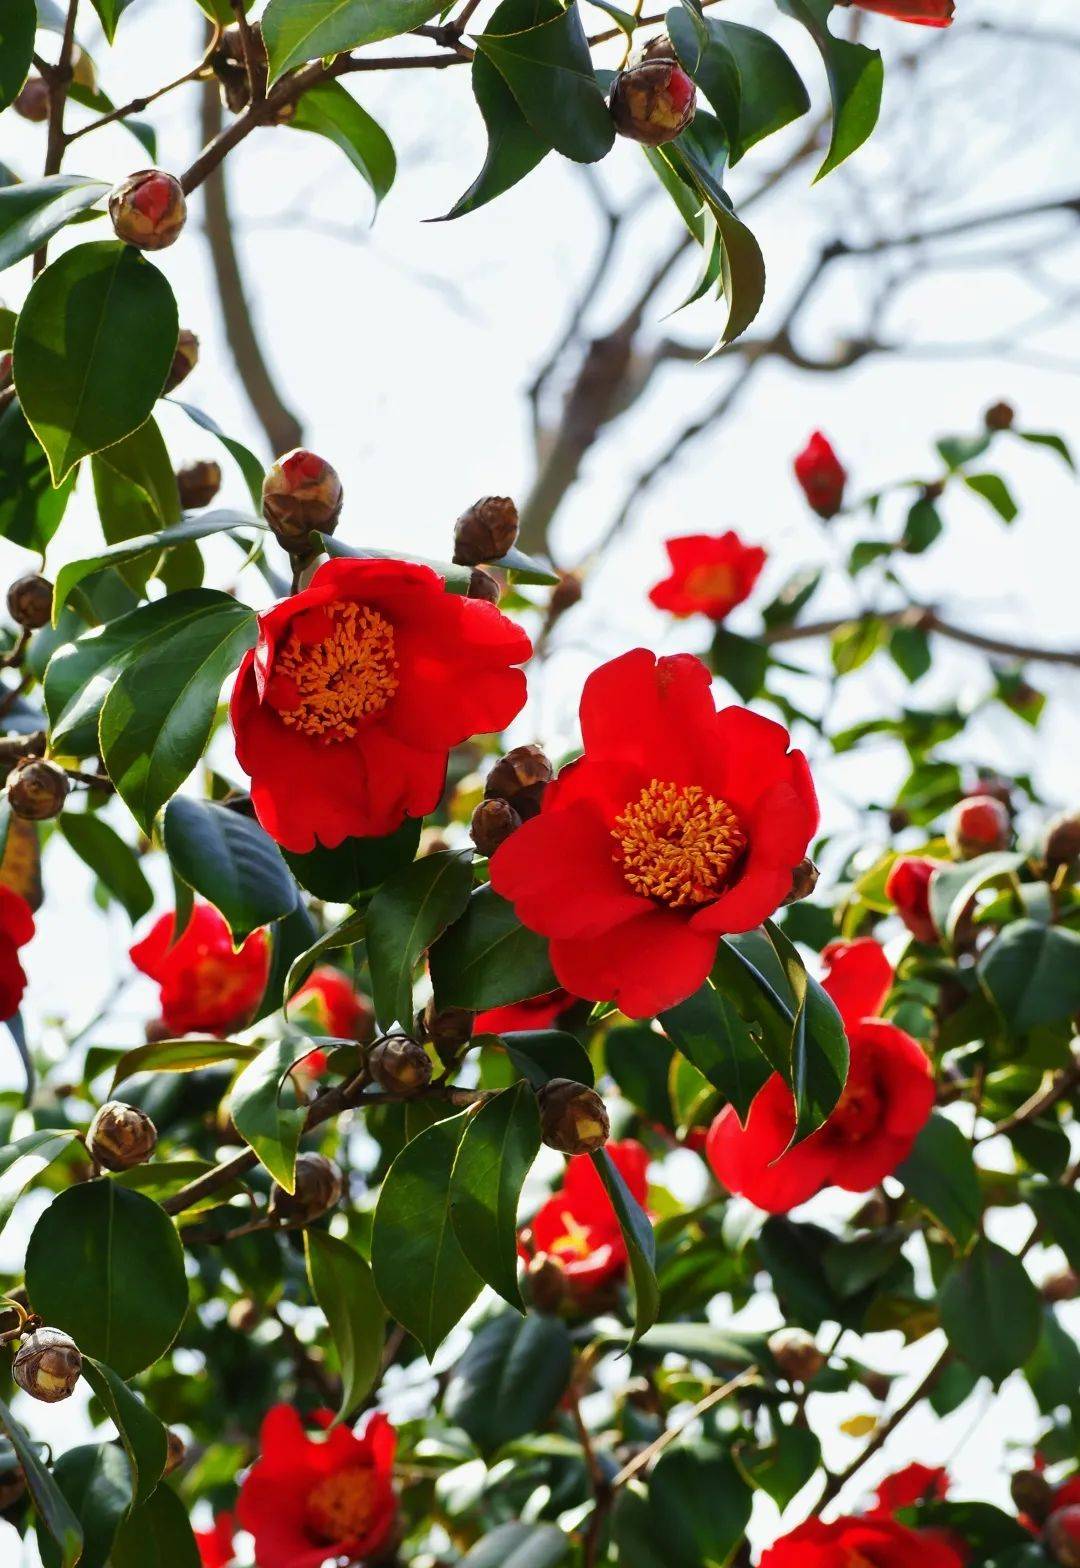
(47, 1365)
(486, 531)
(804, 879)
(482, 585)
(185, 358)
(176, 1451)
(573, 1117)
(652, 98)
(301, 495)
(1063, 1286)
(999, 416)
(12, 1486)
(230, 65)
(148, 209)
(545, 1282)
(566, 593)
(37, 789)
(521, 778)
(493, 821)
(319, 1185)
(400, 1065)
(978, 825)
(449, 1029)
(1032, 1494)
(30, 601)
(33, 101)
(796, 1354)
(874, 1213)
(1061, 1536)
(877, 1384)
(1063, 839)
(908, 887)
(121, 1136)
(198, 484)
(156, 1030)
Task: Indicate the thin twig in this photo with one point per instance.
(634, 1466)
(837, 1482)
(59, 80)
(137, 105)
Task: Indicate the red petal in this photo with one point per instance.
(643, 966)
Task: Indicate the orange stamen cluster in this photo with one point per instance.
(341, 1505)
(574, 1242)
(336, 668)
(678, 844)
(715, 580)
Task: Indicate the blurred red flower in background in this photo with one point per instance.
(577, 1227)
(207, 986)
(908, 887)
(215, 1546)
(821, 475)
(863, 1542)
(928, 13)
(710, 575)
(16, 929)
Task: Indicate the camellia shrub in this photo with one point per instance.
(523, 1146)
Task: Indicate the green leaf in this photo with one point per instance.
(955, 451)
(922, 528)
(695, 1511)
(344, 874)
(704, 52)
(50, 1503)
(1058, 1210)
(995, 492)
(267, 1109)
(819, 1048)
(342, 1284)
(245, 459)
(488, 958)
(952, 887)
(519, 1545)
(424, 1278)
(542, 1054)
(110, 12)
(96, 1480)
(142, 459)
(710, 1033)
(514, 148)
(857, 642)
(347, 934)
(403, 919)
(179, 1056)
(157, 717)
(30, 508)
(30, 214)
(510, 1379)
(157, 1535)
(229, 859)
(909, 647)
(125, 1253)
(144, 1437)
(73, 572)
(113, 862)
(24, 1159)
(990, 1310)
(300, 30)
(548, 69)
(640, 1242)
(1055, 443)
(93, 346)
(741, 661)
(781, 1468)
(18, 24)
(639, 1059)
(940, 1174)
(1032, 974)
(771, 90)
(522, 568)
(290, 940)
(496, 1152)
(856, 76)
(332, 112)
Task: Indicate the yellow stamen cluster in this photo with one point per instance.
(341, 678)
(340, 1506)
(574, 1242)
(678, 844)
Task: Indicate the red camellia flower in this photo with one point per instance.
(678, 824)
(329, 1000)
(978, 825)
(536, 1012)
(864, 1542)
(710, 575)
(16, 929)
(821, 475)
(578, 1228)
(908, 887)
(915, 1483)
(345, 711)
(928, 13)
(207, 986)
(307, 1500)
(886, 1101)
(215, 1546)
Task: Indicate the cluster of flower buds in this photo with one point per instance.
(319, 1185)
(198, 484)
(449, 1030)
(978, 825)
(148, 209)
(486, 531)
(796, 1354)
(185, 358)
(30, 601)
(121, 1136)
(652, 98)
(399, 1065)
(512, 794)
(33, 101)
(301, 496)
(573, 1117)
(37, 789)
(47, 1365)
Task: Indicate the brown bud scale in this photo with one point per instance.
(37, 789)
(486, 531)
(47, 1365)
(30, 601)
(121, 1136)
(319, 1185)
(573, 1117)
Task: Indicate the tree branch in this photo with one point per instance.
(928, 620)
(836, 1483)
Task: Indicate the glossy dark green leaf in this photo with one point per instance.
(510, 1378)
(488, 958)
(952, 887)
(52, 1506)
(244, 458)
(201, 527)
(909, 647)
(990, 1310)
(940, 1174)
(1058, 1210)
(519, 1545)
(856, 77)
(639, 1059)
(299, 30)
(342, 1283)
(267, 1110)
(157, 1535)
(782, 1467)
(709, 1032)
(113, 862)
(144, 1437)
(404, 918)
(741, 661)
(231, 861)
(1032, 973)
(542, 1054)
(819, 1047)
(110, 12)
(347, 934)
(26, 1158)
(640, 1242)
(705, 54)
(290, 940)
(695, 1511)
(343, 874)
(771, 90)
(922, 527)
(31, 213)
(332, 112)
(548, 69)
(500, 1142)
(996, 493)
(30, 508)
(18, 23)
(124, 1251)
(156, 719)
(95, 1478)
(424, 1278)
(178, 1056)
(522, 568)
(514, 148)
(93, 345)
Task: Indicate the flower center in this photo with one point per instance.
(712, 582)
(678, 844)
(574, 1242)
(857, 1113)
(336, 669)
(340, 1506)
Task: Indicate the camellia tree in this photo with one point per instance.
(373, 1252)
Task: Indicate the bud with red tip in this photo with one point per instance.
(804, 879)
(796, 1354)
(652, 98)
(999, 416)
(121, 1136)
(573, 1117)
(30, 601)
(148, 209)
(185, 358)
(319, 1185)
(493, 821)
(1061, 1536)
(449, 1029)
(520, 778)
(33, 101)
(301, 495)
(47, 1365)
(486, 531)
(821, 475)
(908, 887)
(37, 789)
(399, 1065)
(978, 825)
(926, 13)
(198, 484)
